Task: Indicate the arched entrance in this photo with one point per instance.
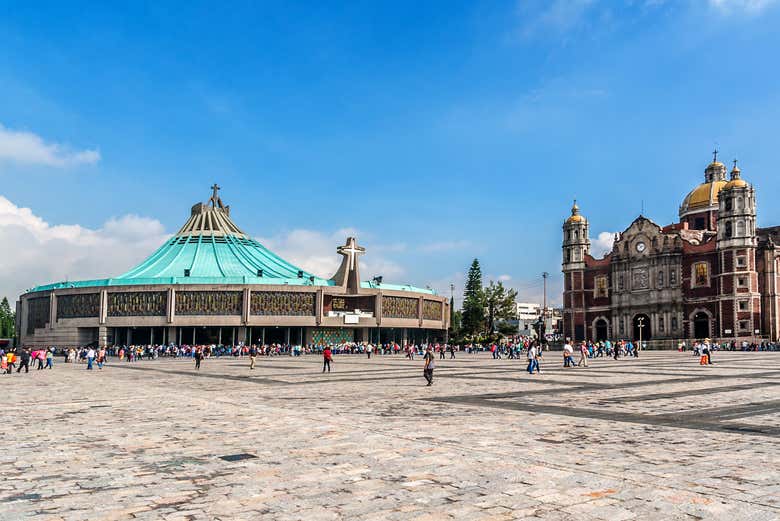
(701, 325)
(642, 323)
(601, 330)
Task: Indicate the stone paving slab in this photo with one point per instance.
(648, 438)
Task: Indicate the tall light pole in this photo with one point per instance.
(641, 326)
(544, 306)
(452, 312)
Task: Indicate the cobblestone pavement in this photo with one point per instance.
(655, 438)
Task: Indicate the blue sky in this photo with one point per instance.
(437, 131)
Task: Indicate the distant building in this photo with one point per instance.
(212, 283)
(712, 274)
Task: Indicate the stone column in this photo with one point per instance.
(245, 308)
(102, 336)
(171, 305)
(378, 309)
(52, 310)
(103, 313)
(419, 311)
(241, 337)
(171, 336)
(319, 305)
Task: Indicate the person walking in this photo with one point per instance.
(327, 358)
(40, 356)
(252, 356)
(90, 358)
(369, 349)
(533, 360)
(10, 361)
(429, 365)
(568, 351)
(442, 350)
(49, 359)
(24, 361)
(583, 361)
(101, 357)
(198, 355)
(452, 351)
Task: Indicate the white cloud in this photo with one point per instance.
(602, 244)
(750, 7)
(25, 147)
(315, 252)
(36, 252)
(504, 278)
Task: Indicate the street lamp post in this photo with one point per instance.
(452, 305)
(641, 326)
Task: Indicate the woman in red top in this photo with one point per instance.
(327, 356)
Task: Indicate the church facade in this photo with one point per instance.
(713, 274)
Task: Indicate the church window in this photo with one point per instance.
(661, 324)
(660, 279)
(741, 229)
(743, 305)
(728, 230)
(568, 255)
(576, 235)
(621, 326)
(741, 261)
(728, 204)
(576, 255)
(673, 276)
(741, 282)
(601, 287)
(744, 325)
(674, 323)
(740, 203)
(701, 274)
(698, 224)
(568, 235)
(621, 283)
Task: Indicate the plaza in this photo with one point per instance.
(658, 437)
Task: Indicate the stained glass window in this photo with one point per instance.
(282, 303)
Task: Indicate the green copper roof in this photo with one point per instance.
(211, 249)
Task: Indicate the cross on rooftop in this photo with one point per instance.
(215, 195)
(351, 250)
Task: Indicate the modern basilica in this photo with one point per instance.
(213, 284)
(713, 274)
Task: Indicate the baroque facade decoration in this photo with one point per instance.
(211, 283)
(713, 274)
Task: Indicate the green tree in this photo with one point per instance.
(473, 315)
(499, 303)
(7, 319)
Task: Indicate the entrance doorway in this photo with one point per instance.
(701, 325)
(602, 330)
(642, 324)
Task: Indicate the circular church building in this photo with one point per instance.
(213, 284)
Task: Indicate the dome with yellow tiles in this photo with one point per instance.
(705, 195)
(736, 178)
(575, 214)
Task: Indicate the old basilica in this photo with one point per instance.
(713, 274)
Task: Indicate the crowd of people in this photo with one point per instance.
(527, 348)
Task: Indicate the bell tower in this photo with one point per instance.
(739, 299)
(576, 246)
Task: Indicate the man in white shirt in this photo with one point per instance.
(568, 351)
(533, 361)
(90, 358)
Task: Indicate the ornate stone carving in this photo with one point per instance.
(282, 303)
(399, 307)
(431, 310)
(37, 313)
(137, 304)
(83, 305)
(209, 302)
(640, 279)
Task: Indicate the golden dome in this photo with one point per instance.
(704, 195)
(575, 214)
(736, 183)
